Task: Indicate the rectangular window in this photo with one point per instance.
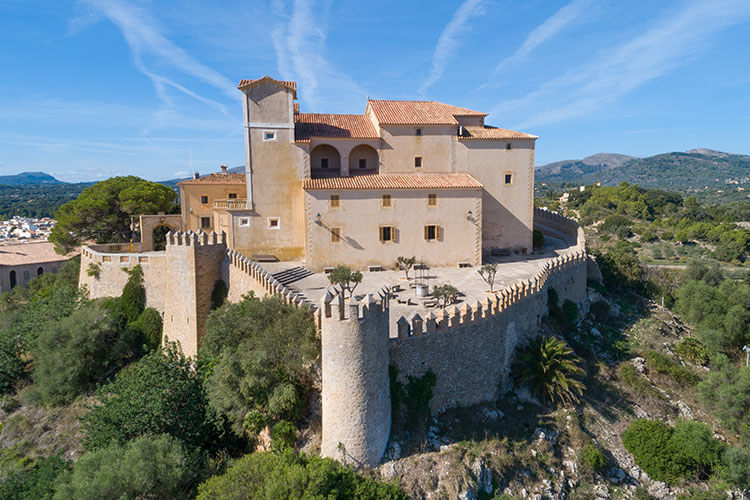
(507, 146)
(335, 235)
(431, 200)
(269, 135)
(334, 201)
(274, 223)
(386, 201)
(244, 221)
(417, 162)
(508, 178)
(205, 222)
(387, 233)
(363, 163)
(419, 131)
(432, 232)
(204, 199)
(324, 163)
(232, 196)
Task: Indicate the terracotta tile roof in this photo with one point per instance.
(395, 181)
(31, 253)
(244, 84)
(216, 178)
(308, 125)
(493, 133)
(418, 112)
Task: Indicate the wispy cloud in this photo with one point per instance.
(146, 39)
(672, 41)
(548, 29)
(300, 46)
(448, 42)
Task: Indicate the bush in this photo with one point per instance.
(147, 467)
(287, 475)
(665, 365)
(219, 294)
(34, 483)
(736, 467)
(537, 238)
(725, 390)
(74, 354)
(283, 435)
(445, 294)
(620, 266)
(627, 374)
(693, 349)
(149, 324)
(570, 311)
(600, 310)
(593, 457)
(127, 308)
(648, 441)
(259, 357)
(159, 394)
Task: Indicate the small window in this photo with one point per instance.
(335, 201)
(509, 178)
(204, 199)
(324, 163)
(205, 222)
(335, 235)
(269, 135)
(386, 201)
(232, 196)
(387, 234)
(274, 223)
(25, 276)
(417, 162)
(244, 221)
(39, 271)
(431, 200)
(419, 131)
(432, 232)
(363, 163)
(507, 146)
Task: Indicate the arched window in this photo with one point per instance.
(25, 276)
(39, 271)
(12, 279)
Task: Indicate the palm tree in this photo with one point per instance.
(551, 369)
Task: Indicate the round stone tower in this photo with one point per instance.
(356, 396)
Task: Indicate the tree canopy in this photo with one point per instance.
(102, 212)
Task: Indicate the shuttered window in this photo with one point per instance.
(387, 233)
(432, 232)
(335, 235)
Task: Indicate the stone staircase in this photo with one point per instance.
(292, 275)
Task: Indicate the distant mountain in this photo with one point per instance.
(693, 172)
(28, 178)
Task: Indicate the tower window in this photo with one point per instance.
(431, 200)
(419, 131)
(205, 222)
(387, 233)
(417, 162)
(274, 223)
(204, 199)
(335, 235)
(386, 201)
(244, 221)
(509, 178)
(324, 163)
(432, 232)
(269, 135)
(334, 201)
(363, 163)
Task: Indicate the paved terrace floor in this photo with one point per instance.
(469, 283)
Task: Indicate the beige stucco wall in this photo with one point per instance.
(360, 216)
(25, 273)
(193, 209)
(507, 209)
(400, 145)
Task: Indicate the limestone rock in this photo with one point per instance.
(483, 475)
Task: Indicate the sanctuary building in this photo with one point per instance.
(406, 178)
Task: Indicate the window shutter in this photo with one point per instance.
(393, 234)
(437, 233)
(380, 231)
(427, 232)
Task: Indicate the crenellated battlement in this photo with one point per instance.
(335, 307)
(190, 238)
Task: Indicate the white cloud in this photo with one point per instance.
(448, 42)
(673, 41)
(548, 29)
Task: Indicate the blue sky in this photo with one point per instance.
(95, 88)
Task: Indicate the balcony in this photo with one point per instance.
(233, 204)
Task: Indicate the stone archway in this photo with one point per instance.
(159, 235)
(363, 159)
(325, 161)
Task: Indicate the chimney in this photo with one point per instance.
(224, 169)
(196, 175)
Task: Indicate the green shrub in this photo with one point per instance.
(627, 374)
(150, 326)
(600, 310)
(159, 394)
(147, 467)
(693, 349)
(283, 435)
(593, 457)
(537, 238)
(445, 294)
(665, 365)
(219, 294)
(570, 311)
(725, 390)
(736, 467)
(414, 395)
(128, 307)
(74, 354)
(35, 483)
(286, 475)
(648, 441)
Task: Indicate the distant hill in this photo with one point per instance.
(28, 178)
(173, 182)
(703, 172)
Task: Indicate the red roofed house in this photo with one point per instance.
(406, 178)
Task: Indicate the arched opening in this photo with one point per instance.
(325, 161)
(39, 271)
(160, 237)
(363, 159)
(26, 277)
(13, 280)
